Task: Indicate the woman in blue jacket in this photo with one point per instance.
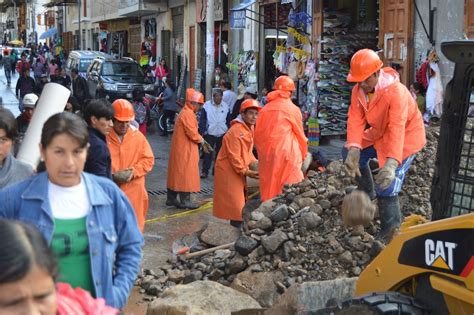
(88, 222)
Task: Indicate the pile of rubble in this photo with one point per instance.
(299, 235)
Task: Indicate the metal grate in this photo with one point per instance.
(462, 178)
(204, 191)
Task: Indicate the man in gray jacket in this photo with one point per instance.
(170, 108)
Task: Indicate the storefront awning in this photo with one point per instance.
(244, 5)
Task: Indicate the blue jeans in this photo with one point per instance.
(396, 186)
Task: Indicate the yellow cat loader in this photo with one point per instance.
(429, 267)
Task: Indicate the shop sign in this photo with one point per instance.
(286, 1)
(237, 19)
(102, 25)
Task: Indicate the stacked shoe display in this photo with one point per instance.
(339, 42)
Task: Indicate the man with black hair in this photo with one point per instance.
(228, 96)
(80, 90)
(24, 85)
(98, 115)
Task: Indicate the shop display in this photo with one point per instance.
(339, 41)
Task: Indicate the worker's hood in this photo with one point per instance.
(387, 77)
(278, 94)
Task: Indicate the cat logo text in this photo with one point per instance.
(439, 254)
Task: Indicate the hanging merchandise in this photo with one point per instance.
(434, 93)
(313, 133)
(339, 41)
(245, 66)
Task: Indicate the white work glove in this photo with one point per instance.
(387, 174)
(352, 162)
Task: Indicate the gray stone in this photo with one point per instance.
(264, 223)
(218, 233)
(245, 245)
(305, 202)
(309, 220)
(193, 276)
(316, 208)
(267, 207)
(237, 264)
(201, 297)
(274, 240)
(309, 194)
(280, 213)
(154, 290)
(261, 285)
(216, 274)
(256, 215)
(175, 275)
(309, 297)
(325, 204)
(346, 258)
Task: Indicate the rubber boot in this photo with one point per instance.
(186, 203)
(390, 217)
(366, 182)
(171, 198)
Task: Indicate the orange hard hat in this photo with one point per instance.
(197, 97)
(363, 64)
(189, 94)
(284, 83)
(123, 110)
(250, 103)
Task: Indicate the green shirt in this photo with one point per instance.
(70, 244)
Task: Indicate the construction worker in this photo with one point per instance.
(132, 158)
(183, 162)
(280, 140)
(234, 163)
(384, 123)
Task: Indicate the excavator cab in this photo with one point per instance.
(428, 268)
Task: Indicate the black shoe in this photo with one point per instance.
(204, 175)
(185, 198)
(171, 198)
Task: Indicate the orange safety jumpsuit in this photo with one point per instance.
(232, 163)
(395, 125)
(183, 163)
(133, 152)
(281, 144)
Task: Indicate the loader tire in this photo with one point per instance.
(391, 303)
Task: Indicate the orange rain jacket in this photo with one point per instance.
(232, 163)
(183, 163)
(133, 152)
(390, 121)
(281, 144)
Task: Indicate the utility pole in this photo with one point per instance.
(15, 20)
(79, 2)
(33, 21)
(209, 47)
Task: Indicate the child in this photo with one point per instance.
(417, 94)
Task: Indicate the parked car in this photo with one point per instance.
(116, 78)
(81, 60)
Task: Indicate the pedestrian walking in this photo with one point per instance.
(170, 108)
(7, 65)
(213, 124)
(228, 96)
(39, 69)
(280, 140)
(161, 73)
(88, 222)
(98, 115)
(183, 162)
(11, 169)
(234, 163)
(22, 64)
(24, 85)
(384, 123)
(132, 158)
(80, 90)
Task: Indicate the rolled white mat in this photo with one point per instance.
(53, 99)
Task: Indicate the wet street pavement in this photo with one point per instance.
(8, 92)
